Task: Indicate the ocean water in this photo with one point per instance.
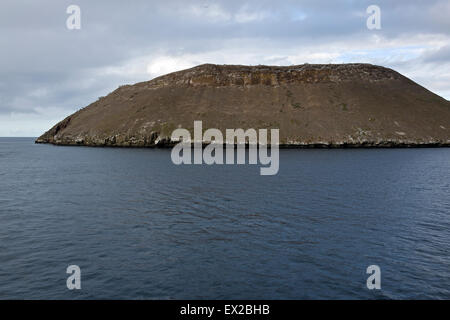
(140, 227)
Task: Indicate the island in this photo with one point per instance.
(312, 105)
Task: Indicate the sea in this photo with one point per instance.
(140, 227)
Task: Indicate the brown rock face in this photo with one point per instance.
(312, 105)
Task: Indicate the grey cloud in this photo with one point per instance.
(43, 65)
(442, 55)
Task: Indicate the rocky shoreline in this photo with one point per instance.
(345, 145)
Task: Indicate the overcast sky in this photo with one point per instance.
(48, 71)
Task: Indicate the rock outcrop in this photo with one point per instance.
(333, 105)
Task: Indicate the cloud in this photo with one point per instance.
(166, 64)
(48, 72)
(438, 55)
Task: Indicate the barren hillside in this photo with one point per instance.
(312, 105)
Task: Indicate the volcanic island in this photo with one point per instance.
(312, 105)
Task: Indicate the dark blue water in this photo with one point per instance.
(140, 227)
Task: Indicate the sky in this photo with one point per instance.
(49, 71)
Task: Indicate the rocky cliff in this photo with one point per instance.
(334, 105)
